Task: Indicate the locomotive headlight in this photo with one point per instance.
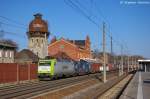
(44, 69)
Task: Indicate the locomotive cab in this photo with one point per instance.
(46, 68)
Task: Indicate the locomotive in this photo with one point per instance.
(54, 68)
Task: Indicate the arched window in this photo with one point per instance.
(6, 54)
(10, 54)
(36, 40)
(0, 53)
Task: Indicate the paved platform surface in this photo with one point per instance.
(137, 89)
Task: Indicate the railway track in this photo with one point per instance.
(18, 86)
(95, 91)
(61, 92)
(33, 83)
(24, 91)
(91, 91)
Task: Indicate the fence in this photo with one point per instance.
(13, 72)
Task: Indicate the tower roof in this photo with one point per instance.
(38, 24)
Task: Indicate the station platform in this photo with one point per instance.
(139, 87)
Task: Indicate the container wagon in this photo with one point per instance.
(83, 67)
(94, 65)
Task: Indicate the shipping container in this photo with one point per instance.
(95, 67)
(83, 67)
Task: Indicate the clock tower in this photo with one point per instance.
(38, 36)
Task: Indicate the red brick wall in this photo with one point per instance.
(70, 49)
(23, 72)
(33, 71)
(12, 72)
(8, 72)
(62, 46)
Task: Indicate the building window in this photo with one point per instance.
(37, 40)
(0, 53)
(6, 54)
(10, 54)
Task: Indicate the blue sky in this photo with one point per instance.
(128, 23)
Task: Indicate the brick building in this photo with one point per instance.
(26, 56)
(75, 49)
(7, 51)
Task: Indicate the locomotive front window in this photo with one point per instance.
(45, 64)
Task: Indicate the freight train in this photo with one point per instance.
(54, 68)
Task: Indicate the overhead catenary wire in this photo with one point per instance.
(12, 21)
(77, 8)
(81, 9)
(90, 14)
(76, 5)
(13, 33)
(11, 25)
(109, 33)
(4, 21)
(14, 24)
